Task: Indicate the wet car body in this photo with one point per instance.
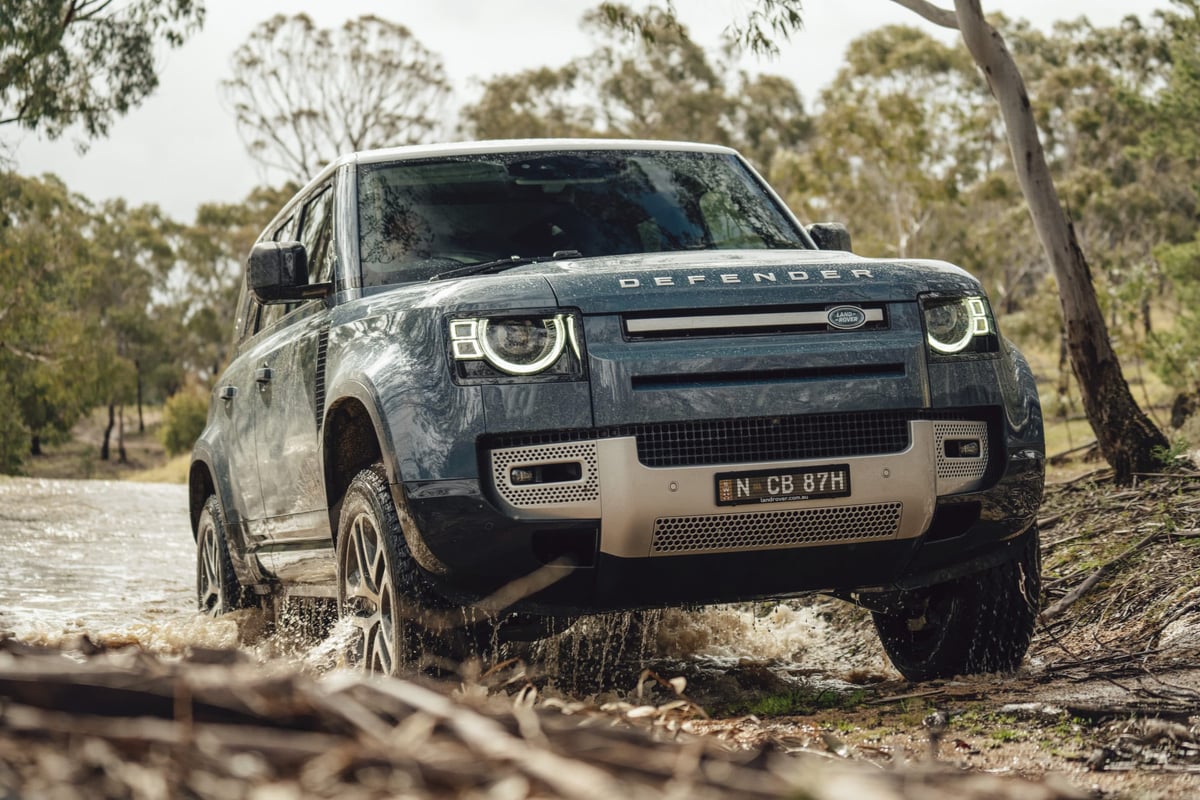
(721, 425)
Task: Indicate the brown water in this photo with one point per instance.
(116, 560)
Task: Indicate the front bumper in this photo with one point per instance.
(644, 535)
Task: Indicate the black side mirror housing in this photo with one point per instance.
(278, 273)
(830, 235)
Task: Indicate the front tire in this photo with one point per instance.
(217, 589)
(380, 587)
(978, 623)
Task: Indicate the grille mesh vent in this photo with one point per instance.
(319, 378)
(960, 469)
(584, 490)
(742, 441)
(733, 441)
(775, 528)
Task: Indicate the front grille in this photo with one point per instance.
(765, 529)
(733, 441)
(742, 441)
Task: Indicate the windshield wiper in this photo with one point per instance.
(501, 264)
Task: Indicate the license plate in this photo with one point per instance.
(783, 485)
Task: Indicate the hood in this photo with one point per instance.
(743, 278)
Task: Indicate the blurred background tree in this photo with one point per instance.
(84, 62)
(302, 95)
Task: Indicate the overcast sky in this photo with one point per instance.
(180, 148)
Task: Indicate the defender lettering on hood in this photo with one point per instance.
(788, 276)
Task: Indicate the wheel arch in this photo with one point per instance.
(353, 437)
(200, 485)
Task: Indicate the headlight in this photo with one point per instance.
(516, 345)
(956, 325)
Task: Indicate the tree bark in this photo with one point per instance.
(122, 458)
(1127, 437)
(35, 445)
(137, 366)
(104, 449)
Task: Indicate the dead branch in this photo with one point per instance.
(1069, 599)
(1104, 473)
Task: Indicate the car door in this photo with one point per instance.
(236, 404)
(288, 375)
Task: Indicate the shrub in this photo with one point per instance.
(183, 419)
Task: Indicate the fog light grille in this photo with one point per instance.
(764, 529)
(584, 490)
(959, 474)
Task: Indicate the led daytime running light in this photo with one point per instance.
(977, 325)
(469, 341)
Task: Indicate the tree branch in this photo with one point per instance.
(935, 14)
(26, 354)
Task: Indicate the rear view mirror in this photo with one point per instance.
(830, 235)
(278, 273)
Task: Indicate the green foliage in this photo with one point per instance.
(64, 62)
(202, 290)
(14, 436)
(184, 416)
(657, 85)
(50, 367)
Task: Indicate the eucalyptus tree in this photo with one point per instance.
(1173, 135)
(205, 281)
(87, 62)
(135, 253)
(896, 142)
(48, 367)
(302, 94)
(1128, 439)
(663, 85)
(535, 103)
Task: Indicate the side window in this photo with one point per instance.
(316, 234)
(287, 231)
(247, 313)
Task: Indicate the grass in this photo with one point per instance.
(798, 701)
(175, 470)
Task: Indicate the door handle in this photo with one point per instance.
(262, 375)
(227, 392)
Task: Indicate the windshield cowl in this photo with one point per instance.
(502, 264)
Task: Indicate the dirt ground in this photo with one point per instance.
(79, 456)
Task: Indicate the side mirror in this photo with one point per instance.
(830, 235)
(278, 273)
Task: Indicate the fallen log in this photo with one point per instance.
(121, 725)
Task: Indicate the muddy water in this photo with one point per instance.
(116, 560)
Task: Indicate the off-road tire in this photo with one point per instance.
(217, 589)
(400, 618)
(978, 623)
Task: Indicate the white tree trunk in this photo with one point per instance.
(1127, 438)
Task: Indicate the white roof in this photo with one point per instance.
(522, 146)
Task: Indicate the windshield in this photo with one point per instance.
(419, 219)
